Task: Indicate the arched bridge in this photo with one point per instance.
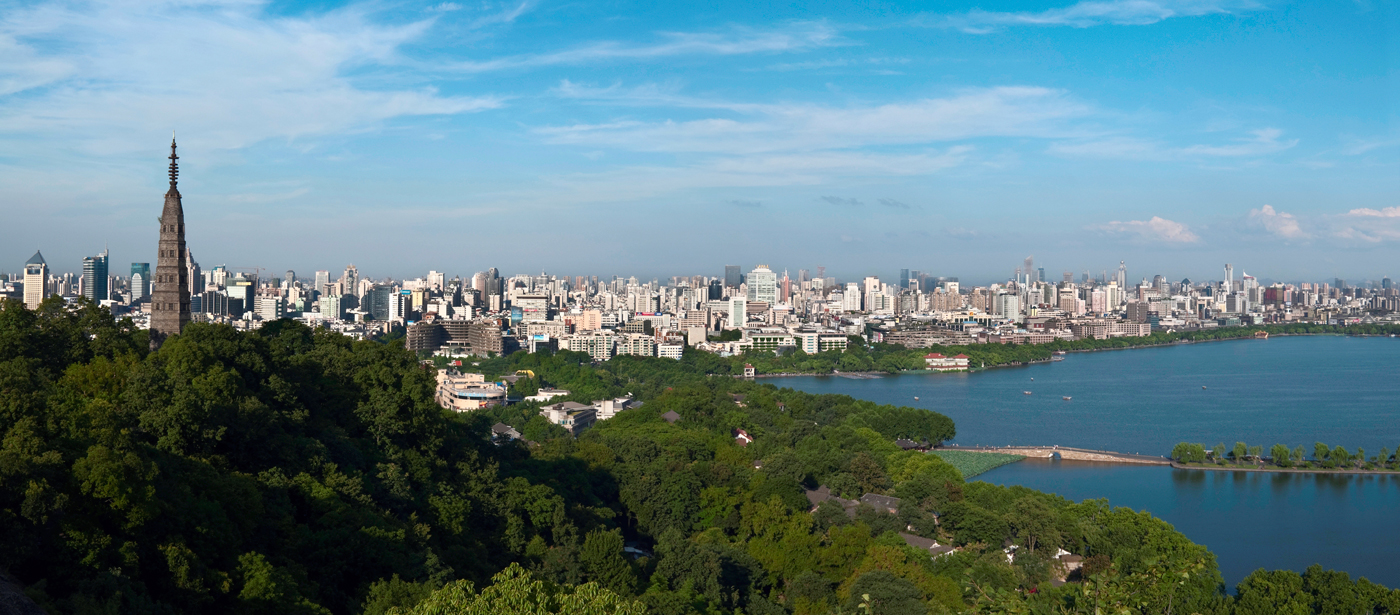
(1067, 452)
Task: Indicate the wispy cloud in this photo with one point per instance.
(110, 77)
(1089, 13)
(1260, 142)
(1282, 224)
(836, 200)
(1155, 230)
(893, 204)
(738, 41)
(1011, 111)
(745, 204)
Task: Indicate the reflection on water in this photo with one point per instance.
(1250, 520)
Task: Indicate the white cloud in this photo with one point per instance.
(1262, 141)
(108, 77)
(1012, 111)
(1371, 234)
(1090, 13)
(1155, 230)
(798, 37)
(1366, 212)
(1279, 223)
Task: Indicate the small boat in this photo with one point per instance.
(916, 399)
(1202, 387)
(1032, 379)
(1067, 398)
(1026, 392)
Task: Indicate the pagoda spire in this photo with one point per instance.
(174, 166)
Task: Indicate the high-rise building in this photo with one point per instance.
(291, 277)
(195, 277)
(140, 287)
(170, 294)
(350, 280)
(322, 279)
(738, 312)
(1385, 283)
(762, 285)
(1122, 278)
(904, 278)
(1229, 283)
(731, 276)
(36, 278)
(95, 278)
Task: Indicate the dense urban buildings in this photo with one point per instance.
(485, 314)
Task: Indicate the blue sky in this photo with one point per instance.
(658, 139)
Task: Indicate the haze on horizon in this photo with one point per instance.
(635, 139)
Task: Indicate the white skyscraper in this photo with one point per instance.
(36, 277)
(762, 285)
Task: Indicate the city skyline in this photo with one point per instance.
(688, 138)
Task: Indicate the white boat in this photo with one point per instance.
(1067, 398)
(1026, 392)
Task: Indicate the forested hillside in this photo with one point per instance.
(296, 471)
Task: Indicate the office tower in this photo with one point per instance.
(763, 285)
(1229, 283)
(290, 278)
(1040, 274)
(140, 280)
(322, 279)
(1341, 284)
(1029, 270)
(731, 276)
(195, 277)
(904, 278)
(1069, 277)
(350, 280)
(170, 298)
(1122, 278)
(95, 278)
(377, 302)
(240, 289)
(36, 276)
(1385, 283)
(331, 308)
(716, 291)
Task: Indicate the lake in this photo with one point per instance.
(1293, 390)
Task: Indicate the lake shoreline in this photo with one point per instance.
(971, 370)
(1276, 470)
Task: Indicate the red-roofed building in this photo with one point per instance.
(946, 364)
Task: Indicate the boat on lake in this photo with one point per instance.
(1026, 392)
(1067, 398)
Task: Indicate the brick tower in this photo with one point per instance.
(170, 291)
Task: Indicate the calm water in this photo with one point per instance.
(1290, 390)
(1250, 520)
(1295, 390)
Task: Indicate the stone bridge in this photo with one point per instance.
(1066, 452)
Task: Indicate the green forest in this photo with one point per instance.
(292, 470)
(890, 358)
